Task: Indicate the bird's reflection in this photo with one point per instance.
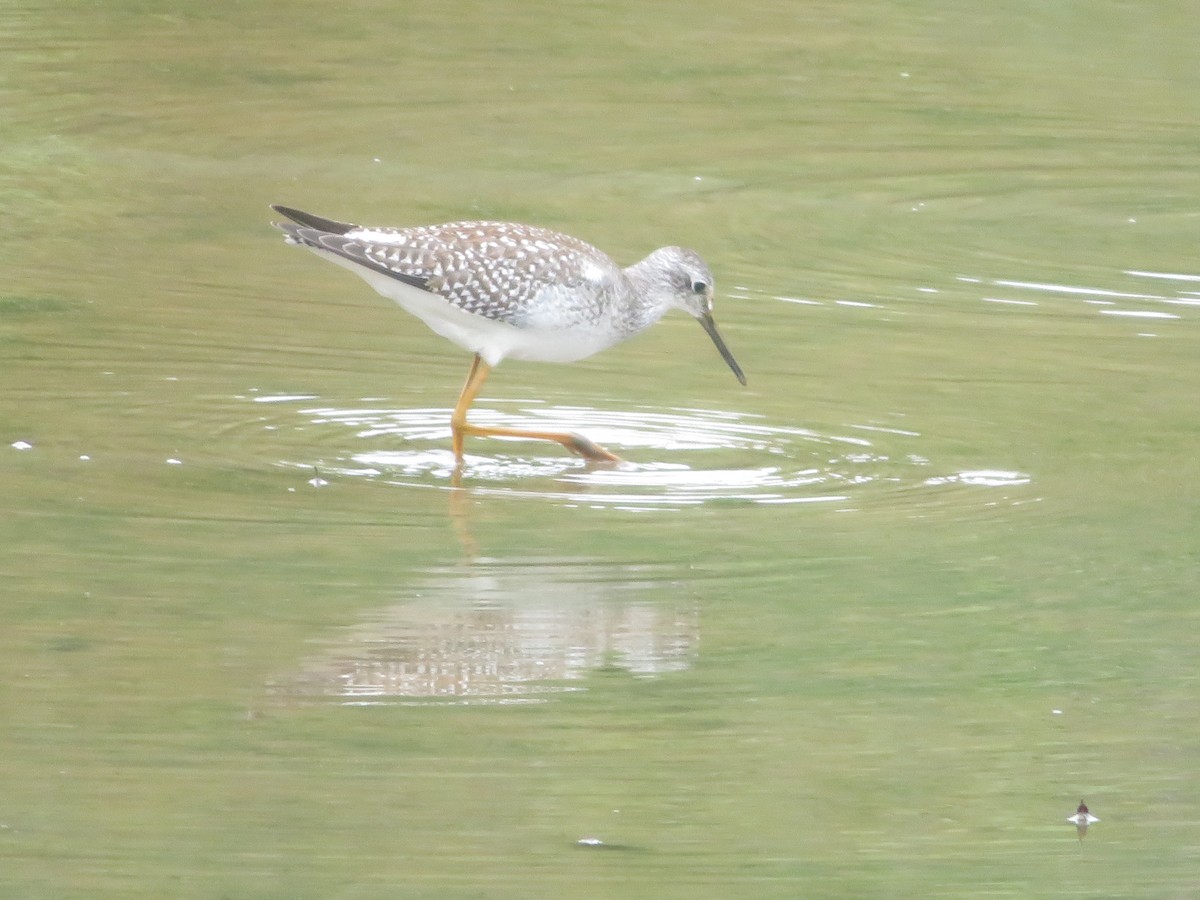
(502, 632)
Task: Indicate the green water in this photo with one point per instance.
(871, 626)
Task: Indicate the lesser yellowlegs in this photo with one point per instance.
(503, 290)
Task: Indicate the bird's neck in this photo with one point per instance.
(648, 298)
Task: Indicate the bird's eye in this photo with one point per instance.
(699, 287)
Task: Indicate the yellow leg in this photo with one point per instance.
(460, 427)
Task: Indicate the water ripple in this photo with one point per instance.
(676, 458)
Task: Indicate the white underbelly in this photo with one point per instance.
(491, 339)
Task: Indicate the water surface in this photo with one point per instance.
(870, 626)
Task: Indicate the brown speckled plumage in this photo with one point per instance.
(491, 269)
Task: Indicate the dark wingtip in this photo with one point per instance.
(294, 214)
(309, 220)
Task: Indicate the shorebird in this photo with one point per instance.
(500, 290)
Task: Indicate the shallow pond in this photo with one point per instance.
(870, 626)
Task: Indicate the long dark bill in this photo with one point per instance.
(710, 326)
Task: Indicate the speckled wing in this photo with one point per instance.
(496, 270)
